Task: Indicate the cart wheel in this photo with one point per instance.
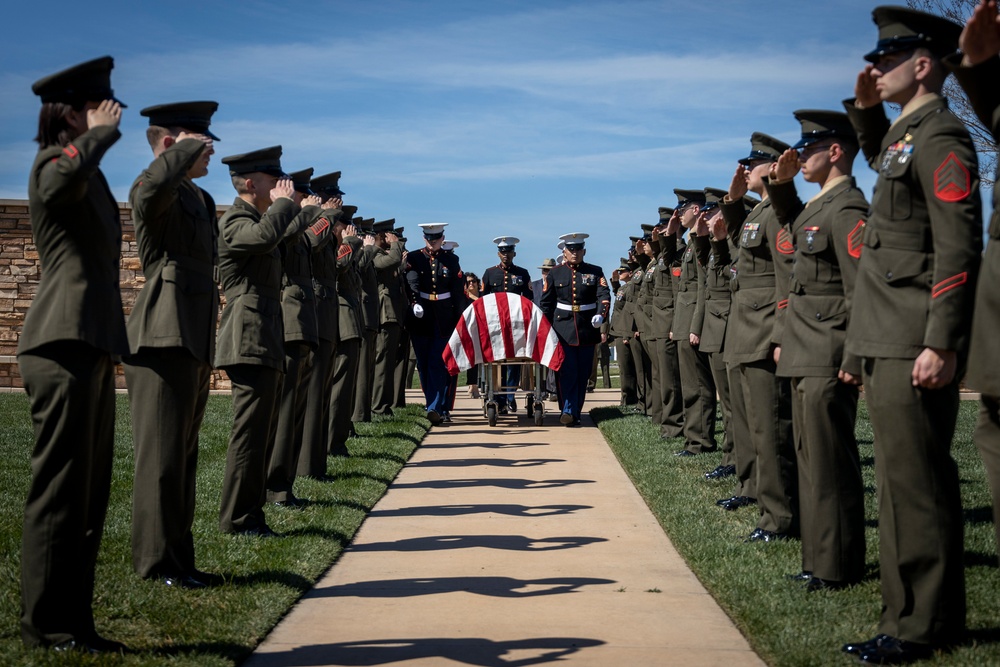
(491, 415)
(539, 414)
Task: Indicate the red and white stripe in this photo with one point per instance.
(498, 327)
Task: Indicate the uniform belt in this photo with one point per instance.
(435, 296)
(576, 309)
(188, 263)
(753, 282)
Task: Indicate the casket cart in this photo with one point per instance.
(503, 329)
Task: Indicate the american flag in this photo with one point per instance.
(502, 326)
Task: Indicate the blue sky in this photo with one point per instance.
(529, 119)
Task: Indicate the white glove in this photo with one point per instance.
(596, 321)
(418, 310)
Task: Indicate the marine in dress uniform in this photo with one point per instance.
(171, 337)
(978, 70)
(350, 329)
(388, 265)
(622, 320)
(642, 284)
(364, 261)
(250, 345)
(435, 282)
(697, 384)
(658, 287)
(714, 256)
(910, 323)
(577, 305)
(827, 232)
(507, 277)
(310, 230)
(765, 258)
(315, 428)
(72, 334)
(403, 374)
(744, 458)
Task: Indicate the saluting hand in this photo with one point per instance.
(351, 231)
(283, 188)
(786, 167)
(865, 92)
(330, 204)
(390, 237)
(980, 39)
(311, 200)
(738, 187)
(701, 224)
(674, 223)
(719, 229)
(368, 240)
(108, 113)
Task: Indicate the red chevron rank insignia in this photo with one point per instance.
(319, 226)
(784, 243)
(952, 181)
(949, 284)
(344, 251)
(676, 271)
(856, 240)
(71, 151)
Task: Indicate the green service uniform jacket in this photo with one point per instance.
(391, 300)
(78, 295)
(251, 331)
(689, 309)
(349, 289)
(922, 242)
(176, 231)
(718, 291)
(324, 280)
(827, 235)
(765, 265)
(310, 230)
(980, 83)
(668, 251)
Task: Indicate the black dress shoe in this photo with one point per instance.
(566, 418)
(761, 535)
(888, 650)
(726, 471)
(433, 417)
(685, 452)
(856, 648)
(817, 584)
(802, 577)
(340, 452)
(291, 503)
(445, 417)
(183, 581)
(95, 644)
(736, 502)
(576, 421)
(258, 531)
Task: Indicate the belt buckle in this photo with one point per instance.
(576, 309)
(432, 297)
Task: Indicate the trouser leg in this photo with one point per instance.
(70, 386)
(345, 371)
(720, 376)
(698, 392)
(315, 428)
(920, 509)
(168, 391)
(256, 391)
(745, 459)
(987, 438)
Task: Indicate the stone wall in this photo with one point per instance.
(19, 275)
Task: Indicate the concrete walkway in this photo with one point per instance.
(513, 545)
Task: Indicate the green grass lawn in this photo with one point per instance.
(218, 626)
(784, 624)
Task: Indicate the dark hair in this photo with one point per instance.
(53, 129)
(472, 275)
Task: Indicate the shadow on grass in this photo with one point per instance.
(285, 578)
(468, 651)
(501, 587)
(464, 510)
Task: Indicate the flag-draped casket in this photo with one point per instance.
(498, 327)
